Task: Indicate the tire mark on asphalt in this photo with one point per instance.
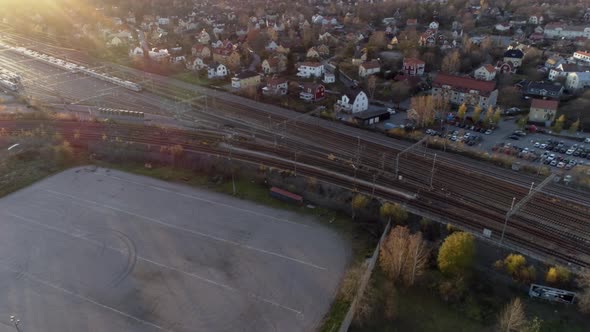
(186, 273)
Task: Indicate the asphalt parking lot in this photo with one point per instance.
(100, 250)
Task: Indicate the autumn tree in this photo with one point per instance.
(515, 266)
(378, 40)
(497, 116)
(451, 62)
(307, 36)
(393, 211)
(489, 116)
(522, 121)
(558, 125)
(403, 256)
(557, 275)
(461, 112)
(574, 127)
(359, 202)
(456, 253)
(476, 114)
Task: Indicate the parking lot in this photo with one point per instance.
(97, 250)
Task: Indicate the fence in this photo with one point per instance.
(363, 283)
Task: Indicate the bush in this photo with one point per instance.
(513, 263)
(456, 253)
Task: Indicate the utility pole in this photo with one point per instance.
(358, 150)
(506, 219)
(432, 173)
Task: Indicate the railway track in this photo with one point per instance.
(554, 239)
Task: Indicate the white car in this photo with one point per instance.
(543, 146)
(537, 144)
(569, 152)
(587, 140)
(561, 164)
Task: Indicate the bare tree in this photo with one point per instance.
(584, 295)
(371, 85)
(512, 318)
(404, 256)
(451, 62)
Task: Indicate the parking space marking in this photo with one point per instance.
(187, 230)
(207, 201)
(147, 260)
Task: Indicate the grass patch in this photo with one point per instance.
(191, 78)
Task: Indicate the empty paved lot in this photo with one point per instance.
(98, 250)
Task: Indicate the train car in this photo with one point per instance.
(285, 195)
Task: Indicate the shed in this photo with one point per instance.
(368, 118)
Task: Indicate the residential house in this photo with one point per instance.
(354, 102)
(411, 22)
(360, 56)
(323, 50)
(413, 67)
(159, 55)
(563, 31)
(312, 53)
(369, 68)
(582, 56)
(114, 42)
(217, 70)
(329, 78)
(310, 69)
(228, 57)
(203, 37)
(312, 92)
(136, 52)
(564, 69)
(502, 27)
(577, 81)
(177, 59)
(271, 46)
(276, 86)
(392, 43)
(554, 61)
(536, 19)
(197, 64)
(427, 38)
(459, 90)
(163, 21)
(274, 64)
(485, 73)
(283, 49)
(202, 51)
(514, 56)
(245, 79)
(433, 26)
(543, 110)
(543, 89)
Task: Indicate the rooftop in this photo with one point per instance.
(466, 83)
(545, 104)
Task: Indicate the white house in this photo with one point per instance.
(485, 73)
(515, 56)
(136, 52)
(329, 78)
(582, 56)
(309, 69)
(163, 21)
(433, 25)
(353, 102)
(272, 46)
(577, 81)
(502, 27)
(203, 37)
(369, 68)
(217, 70)
(159, 54)
(536, 19)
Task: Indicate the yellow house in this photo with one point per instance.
(245, 79)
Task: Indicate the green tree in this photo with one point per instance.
(574, 127)
(522, 121)
(456, 253)
(393, 211)
(476, 114)
(461, 112)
